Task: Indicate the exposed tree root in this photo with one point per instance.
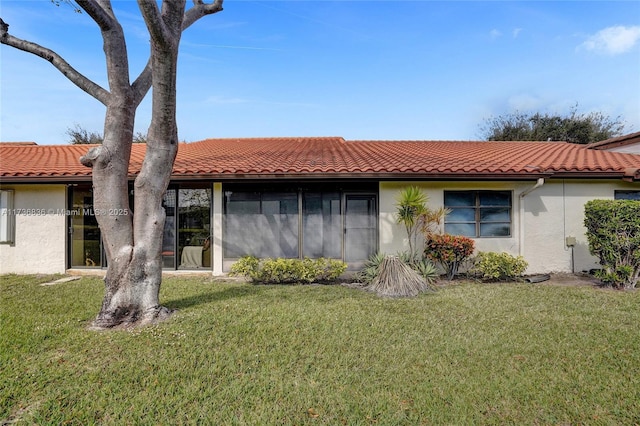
(123, 318)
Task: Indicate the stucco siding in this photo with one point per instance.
(544, 230)
(549, 214)
(629, 149)
(393, 237)
(40, 224)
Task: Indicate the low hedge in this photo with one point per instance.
(288, 271)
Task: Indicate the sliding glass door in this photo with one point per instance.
(194, 228)
(85, 240)
(187, 228)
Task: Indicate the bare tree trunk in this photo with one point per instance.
(133, 282)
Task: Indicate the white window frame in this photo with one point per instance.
(7, 217)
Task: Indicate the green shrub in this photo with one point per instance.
(449, 251)
(499, 266)
(329, 269)
(247, 266)
(287, 271)
(613, 232)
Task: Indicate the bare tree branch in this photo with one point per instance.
(142, 84)
(57, 61)
(100, 13)
(114, 44)
(200, 9)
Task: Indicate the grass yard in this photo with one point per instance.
(322, 355)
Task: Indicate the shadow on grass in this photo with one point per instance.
(214, 295)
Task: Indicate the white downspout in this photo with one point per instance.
(523, 194)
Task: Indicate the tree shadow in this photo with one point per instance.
(214, 295)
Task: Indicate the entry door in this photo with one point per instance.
(360, 228)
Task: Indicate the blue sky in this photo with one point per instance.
(357, 69)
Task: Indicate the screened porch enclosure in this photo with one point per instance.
(337, 223)
(263, 220)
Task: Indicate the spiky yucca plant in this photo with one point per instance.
(370, 269)
(397, 279)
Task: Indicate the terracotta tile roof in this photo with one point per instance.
(26, 162)
(333, 157)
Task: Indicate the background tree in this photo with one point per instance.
(81, 136)
(139, 137)
(574, 127)
(132, 242)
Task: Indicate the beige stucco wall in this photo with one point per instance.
(40, 225)
(551, 213)
(629, 149)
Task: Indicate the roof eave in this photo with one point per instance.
(44, 179)
(363, 175)
(630, 175)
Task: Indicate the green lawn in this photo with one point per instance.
(261, 355)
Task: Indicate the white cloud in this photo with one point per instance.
(516, 32)
(494, 34)
(613, 40)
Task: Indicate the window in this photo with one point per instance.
(478, 213)
(627, 195)
(7, 218)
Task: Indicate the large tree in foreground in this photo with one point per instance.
(574, 127)
(132, 240)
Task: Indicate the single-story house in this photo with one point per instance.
(317, 197)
